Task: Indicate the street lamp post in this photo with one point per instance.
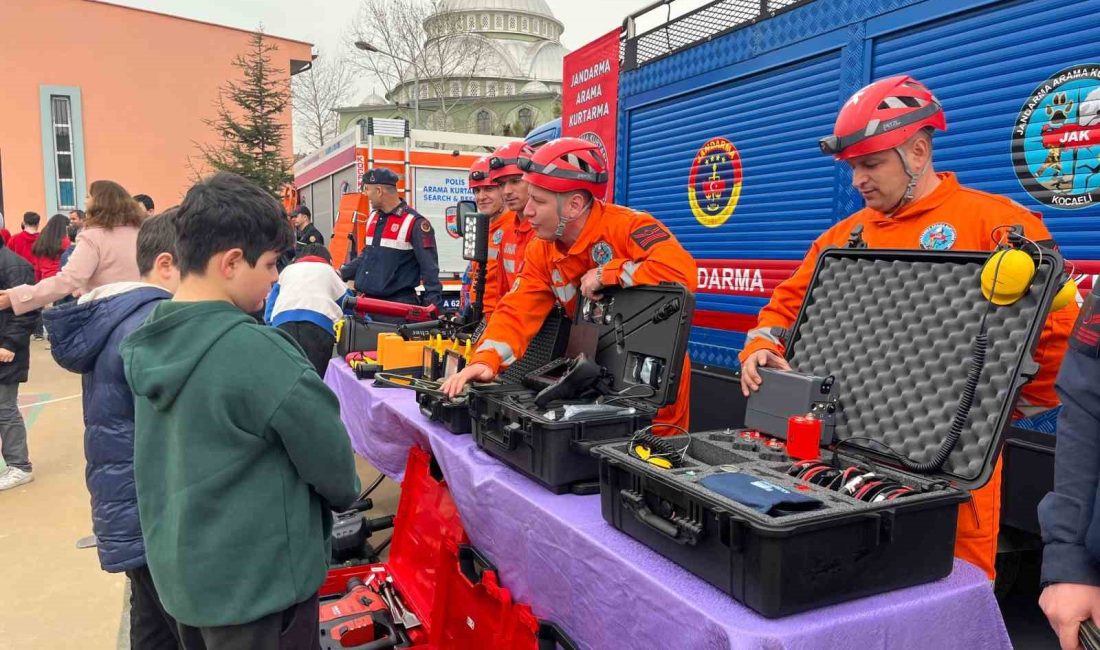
(367, 47)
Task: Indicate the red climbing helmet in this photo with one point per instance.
(565, 165)
(881, 116)
(505, 160)
(479, 173)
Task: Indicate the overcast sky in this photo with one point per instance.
(323, 22)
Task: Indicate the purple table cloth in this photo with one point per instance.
(608, 591)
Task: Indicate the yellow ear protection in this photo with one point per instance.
(1008, 273)
(1065, 295)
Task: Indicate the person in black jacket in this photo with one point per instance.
(1069, 515)
(15, 362)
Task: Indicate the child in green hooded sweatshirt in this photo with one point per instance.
(239, 452)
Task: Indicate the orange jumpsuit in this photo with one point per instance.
(508, 248)
(642, 252)
(970, 217)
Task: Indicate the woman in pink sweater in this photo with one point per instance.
(106, 251)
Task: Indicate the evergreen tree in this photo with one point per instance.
(249, 120)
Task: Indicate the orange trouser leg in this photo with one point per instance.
(979, 522)
(679, 412)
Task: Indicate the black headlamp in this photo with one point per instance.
(479, 176)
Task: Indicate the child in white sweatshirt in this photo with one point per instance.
(306, 302)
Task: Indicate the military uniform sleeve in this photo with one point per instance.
(1067, 513)
(427, 256)
(309, 426)
(518, 316)
(348, 271)
(782, 309)
(655, 256)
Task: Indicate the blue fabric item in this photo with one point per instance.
(303, 316)
(758, 494)
(269, 304)
(85, 339)
(1045, 422)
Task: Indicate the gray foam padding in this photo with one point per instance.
(897, 336)
(721, 451)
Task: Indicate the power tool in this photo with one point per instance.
(359, 620)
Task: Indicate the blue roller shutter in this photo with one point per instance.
(774, 119)
(984, 65)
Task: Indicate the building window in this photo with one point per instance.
(474, 89)
(526, 25)
(484, 122)
(510, 88)
(498, 22)
(456, 89)
(62, 147)
(526, 118)
(512, 23)
(491, 89)
(61, 117)
(485, 21)
(471, 23)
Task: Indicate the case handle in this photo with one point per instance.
(677, 531)
(506, 436)
(551, 636)
(472, 564)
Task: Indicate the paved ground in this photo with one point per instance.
(53, 595)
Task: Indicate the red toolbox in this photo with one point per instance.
(522, 630)
(470, 607)
(425, 528)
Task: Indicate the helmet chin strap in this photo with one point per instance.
(914, 178)
(563, 222)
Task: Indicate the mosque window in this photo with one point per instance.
(484, 122)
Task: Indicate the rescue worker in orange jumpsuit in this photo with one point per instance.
(515, 229)
(884, 132)
(583, 245)
(488, 200)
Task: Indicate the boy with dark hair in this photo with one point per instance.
(85, 337)
(146, 202)
(15, 361)
(239, 453)
(22, 242)
(307, 301)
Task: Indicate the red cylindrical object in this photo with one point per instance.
(803, 437)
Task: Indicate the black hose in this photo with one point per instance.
(962, 412)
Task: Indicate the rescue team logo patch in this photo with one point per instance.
(647, 236)
(497, 237)
(1085, 337)
(938, 237)
(601, 253)
(1056, 140)
(425, 225)
(714, 182)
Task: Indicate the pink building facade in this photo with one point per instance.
(96, 91)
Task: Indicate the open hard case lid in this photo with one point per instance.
(640, 336)
(895, 328)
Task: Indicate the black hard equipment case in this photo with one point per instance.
(549, 344)
(897, 330)
(639, 337)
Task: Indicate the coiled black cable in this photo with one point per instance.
(962, 411)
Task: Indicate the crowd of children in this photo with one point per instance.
(214, 449)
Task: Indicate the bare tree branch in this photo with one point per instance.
(317, 92)
(450, 54)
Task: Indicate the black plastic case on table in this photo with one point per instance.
(549, 344)
(652, 321)
(895, 329)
